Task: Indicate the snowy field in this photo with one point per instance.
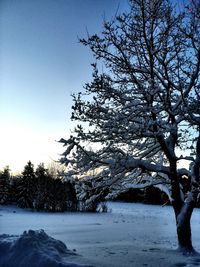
(133, 235)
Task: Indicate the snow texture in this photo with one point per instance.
(33, 248)
(131, 235)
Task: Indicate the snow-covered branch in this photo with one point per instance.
(142, 110)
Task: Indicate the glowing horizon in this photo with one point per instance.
(28, 144)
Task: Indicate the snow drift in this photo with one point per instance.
(34, 248)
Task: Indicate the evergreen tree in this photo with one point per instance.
(4, 185)
(13, 190)
(53, 194)
(42, 180)
(54, 198)
(71, 200)
(61, 196)
(26, 187)
(41, 171)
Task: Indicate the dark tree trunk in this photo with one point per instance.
(184, 236)
(183, 227)
(183, 209)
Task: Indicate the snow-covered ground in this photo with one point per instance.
(130, 235)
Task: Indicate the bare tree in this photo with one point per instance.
(141, 113)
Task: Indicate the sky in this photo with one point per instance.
(41, 64)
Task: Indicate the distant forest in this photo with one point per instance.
(37, 189)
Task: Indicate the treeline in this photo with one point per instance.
(148, 195)
(37, 189)
(44, 190)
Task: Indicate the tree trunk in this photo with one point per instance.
(183, 209)
(184, 236)
(183, 228)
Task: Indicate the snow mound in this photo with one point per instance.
(34, 248)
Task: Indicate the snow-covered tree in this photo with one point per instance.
(140, 115)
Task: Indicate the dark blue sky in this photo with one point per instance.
(41, 64)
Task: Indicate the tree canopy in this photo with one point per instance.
(139, 116)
